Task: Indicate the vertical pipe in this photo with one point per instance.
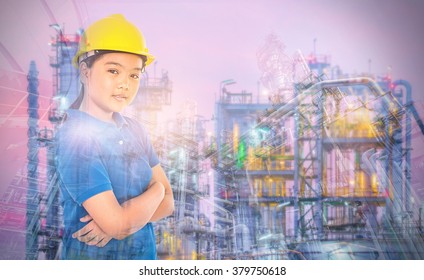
(218, 130)
(33, 207)
(415, 248)
(386, 163)
(319, 150)
(408, 127)
(296, 167)
(397, 176)
(358, 186)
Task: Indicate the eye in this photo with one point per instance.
(113, 71)
(135, 76)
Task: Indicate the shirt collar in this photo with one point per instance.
(119, 120)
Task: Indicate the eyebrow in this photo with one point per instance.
(140, 69)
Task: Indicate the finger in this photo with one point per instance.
(94, 241)
(86, 218)
(85, 230)
(104, 241)
(82, 232)
(86, 238)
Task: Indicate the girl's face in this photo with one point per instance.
(110, 84)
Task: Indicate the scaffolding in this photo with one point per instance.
(43, 211)
(321, 170)
(325, 165)
(187, 233)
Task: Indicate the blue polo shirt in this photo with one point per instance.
(94, 156)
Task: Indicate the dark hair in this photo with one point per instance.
(89, 61)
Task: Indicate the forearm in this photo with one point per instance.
(165, 209)
(119, 221)
(139, 210)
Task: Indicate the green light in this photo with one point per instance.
(241, 154)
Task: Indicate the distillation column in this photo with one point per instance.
(33, 206)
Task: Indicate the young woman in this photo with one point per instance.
(112, 184)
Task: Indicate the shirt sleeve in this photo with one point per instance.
(80, 167)
(146, 142)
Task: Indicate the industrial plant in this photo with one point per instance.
(314, 165)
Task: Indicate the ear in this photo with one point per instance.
(84, 71)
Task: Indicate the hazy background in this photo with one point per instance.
(201, 43)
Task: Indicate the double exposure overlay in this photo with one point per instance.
(314, 163)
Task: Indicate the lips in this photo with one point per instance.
(120, 97)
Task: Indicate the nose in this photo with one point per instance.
(124, 84)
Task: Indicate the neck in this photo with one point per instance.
(95, 111)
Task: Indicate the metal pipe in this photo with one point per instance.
(289, 107)
(32, 207)
(370, 83)
(296, 167)
(408, 139)
(228, 213)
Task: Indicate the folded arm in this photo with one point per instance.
(166, 207)
(123, 220)
(119, 221)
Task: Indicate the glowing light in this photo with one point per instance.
(235, 137)
(265, 237)
(283, 204)
(63, 100)
(241, 155)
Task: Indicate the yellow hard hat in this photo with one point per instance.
(112, 33)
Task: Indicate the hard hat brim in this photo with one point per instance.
(76, 60)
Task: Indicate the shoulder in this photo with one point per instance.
(75, 131)
(136, 126)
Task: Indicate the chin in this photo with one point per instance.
(118, 109)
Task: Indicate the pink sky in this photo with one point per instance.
(201, 43)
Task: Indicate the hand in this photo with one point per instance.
(91, 234)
